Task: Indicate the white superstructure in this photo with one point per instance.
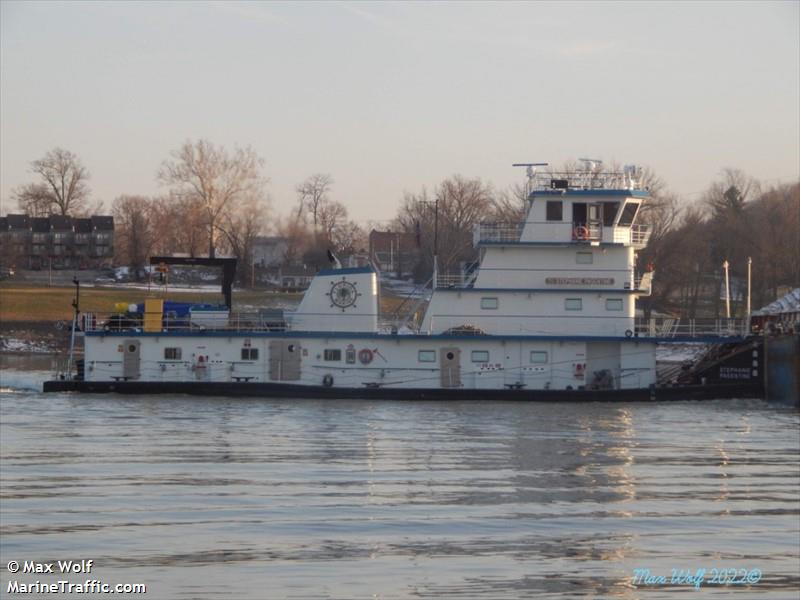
(551, 305)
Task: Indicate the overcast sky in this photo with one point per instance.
(388, 97)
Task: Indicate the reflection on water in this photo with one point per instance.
(229, 498)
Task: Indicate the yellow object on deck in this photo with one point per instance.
(153, 313)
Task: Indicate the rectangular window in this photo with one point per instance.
(350, 356)
(489, 303)
(609, 213)
(628, 214)
(249, 353)
(480, 356)
(584, 258)
(333, 355)
(538, 357)
(172, 353)
(555, 210)
(614, 304)
(573, 304)
(426, 356)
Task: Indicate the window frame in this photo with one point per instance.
(177, 351)
(567, 305)
(584, 254)
(488, 300)
(249, 354)
(482, 353)
(332, 355)
(623, 221)
(429, 354)
(538, 362)
(554, 204)
(615, 301)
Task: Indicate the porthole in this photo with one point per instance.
(450, 356)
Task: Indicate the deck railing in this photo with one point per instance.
(235, 321)
(640, 235)
(455, 280)
(672, 327)
(496, 232)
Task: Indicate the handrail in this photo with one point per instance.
(496, 232)
(672, 327)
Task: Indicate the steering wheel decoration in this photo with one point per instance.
(343, 294)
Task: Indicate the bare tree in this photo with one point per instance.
(510, 205)
(332, 215)
(214, 178)
(134, 224)
(34, 199)
(461, 203)
(62, 188)
(731, 192)
(241, 227)
(312, 194)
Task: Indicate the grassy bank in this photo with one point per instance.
(27, 303)
(34, 303)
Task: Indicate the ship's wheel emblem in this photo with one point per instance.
(343, 294)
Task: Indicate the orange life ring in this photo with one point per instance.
(581, 233)
(365, 356)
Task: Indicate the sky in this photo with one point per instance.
(390, 97)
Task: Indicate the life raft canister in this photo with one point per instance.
(365, 356)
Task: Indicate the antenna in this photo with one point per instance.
(591, 163)
(530, 172)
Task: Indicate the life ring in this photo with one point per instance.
(365, 356)
(327, 381)
(628, 333)
(581, 233)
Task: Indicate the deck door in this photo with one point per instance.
(285, 359)
(131, 359)
(450, 367)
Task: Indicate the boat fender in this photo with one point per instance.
(327, 381)
(628, 333)
(365, 356)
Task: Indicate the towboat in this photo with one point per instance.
(547, 313)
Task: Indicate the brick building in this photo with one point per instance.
(69, 242)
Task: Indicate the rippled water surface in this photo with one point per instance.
(249, 498)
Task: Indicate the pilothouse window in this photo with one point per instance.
(555, 210)
(628, 214)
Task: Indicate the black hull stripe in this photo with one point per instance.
(285, 390)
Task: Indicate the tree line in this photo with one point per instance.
(215, 201)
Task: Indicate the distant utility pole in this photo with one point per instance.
(725, 266)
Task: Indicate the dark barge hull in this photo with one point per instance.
(284, 390)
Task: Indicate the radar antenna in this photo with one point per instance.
(530, 173)
(591, 164)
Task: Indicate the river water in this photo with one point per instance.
(250, 498)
